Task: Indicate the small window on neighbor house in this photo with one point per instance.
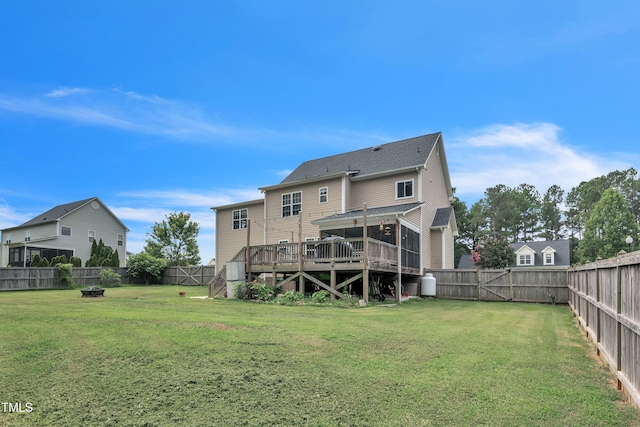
(27, 236)
(548, 258)
(7, 238)
(65, 231)
(120, 239)
(324, 194)
(92, 236)
(524, 259)
(240, 219)
(404, 189)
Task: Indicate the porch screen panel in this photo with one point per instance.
(410, 245)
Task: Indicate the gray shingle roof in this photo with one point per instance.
(384, 210)
(561, 258)
(386, 157)
(442, 218)
(56, 212)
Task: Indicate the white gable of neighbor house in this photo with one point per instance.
(525, 256)
(548, 256)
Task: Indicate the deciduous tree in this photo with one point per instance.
(174, 239)
(609, 224)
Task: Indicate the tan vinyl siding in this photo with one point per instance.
(286, 228)
(230, 241)
(434, 196)
(413, 217)
(436, 249)
(450, 242)
(381, 191)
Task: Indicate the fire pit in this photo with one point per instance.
(92, 291)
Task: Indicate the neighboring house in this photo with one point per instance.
(68, 229)
(404, 187)
(551, 253)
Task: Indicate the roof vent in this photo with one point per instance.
(377, 148)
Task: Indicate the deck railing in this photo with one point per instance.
(337, 251)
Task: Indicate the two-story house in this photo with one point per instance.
(404, 188)
(68, 229)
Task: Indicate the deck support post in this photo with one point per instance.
(332, 283)
(248, 254)
(399, 244)
(365, 253)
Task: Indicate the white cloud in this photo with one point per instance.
(521, 153)
(176, 120)
(194, 199)
(67, 91)
(9, 217)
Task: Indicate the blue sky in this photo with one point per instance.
(163, 106)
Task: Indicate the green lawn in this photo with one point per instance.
(143, 356)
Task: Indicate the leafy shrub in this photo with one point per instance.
(64, 275)
(263, 292)
(147, 267)
(75, 261)
(291, 296)
(242, 290)
(320, 297)
(109, 278)
(102, 256)
(60, 259)
(35, 261)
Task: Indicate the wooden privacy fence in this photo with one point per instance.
(30, 278)
(199, 275)
(605, 297)
(521, 284)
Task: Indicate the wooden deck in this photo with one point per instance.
(345, 260)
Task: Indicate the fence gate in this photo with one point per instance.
(190, 276)
(495, 284)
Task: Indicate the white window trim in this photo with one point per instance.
(120, 239)
(242, 225)
(27, 235)
(91, 235)
(413, 189)
(523, 258)
(282, 205)
(7, 238)
(65, 235)
(521, 252)
(325, 194)
(549, 251)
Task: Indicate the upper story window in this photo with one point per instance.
(240, 218)
(524, 259)
(27, 235)
(324, 194)
(291, 204)
(549, 256)
(120, 239)
(65, 231)
(7, 238)
(404, 189)
(92, 236)
(525, 256)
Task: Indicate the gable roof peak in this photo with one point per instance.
(406, 153)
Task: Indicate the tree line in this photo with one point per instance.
(596, 216)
